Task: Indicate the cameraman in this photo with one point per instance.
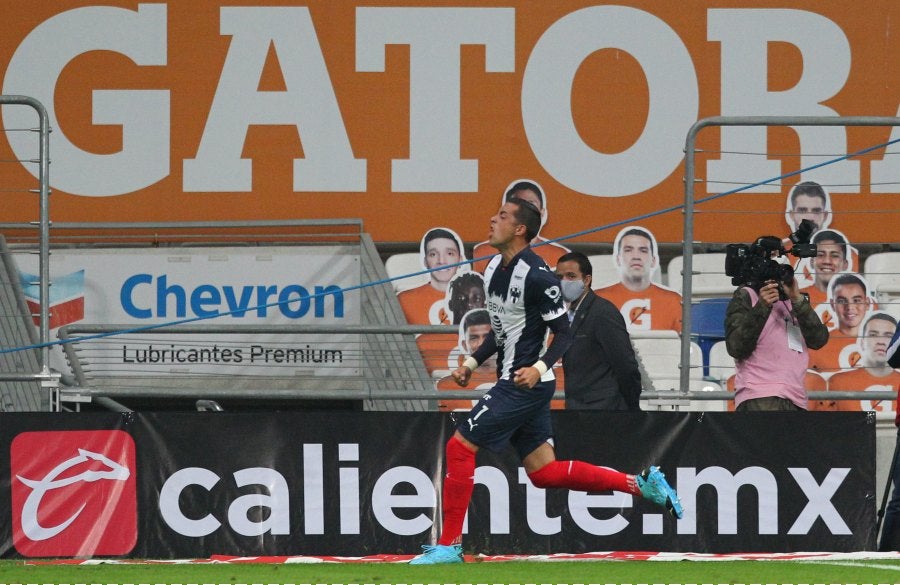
(768, 331)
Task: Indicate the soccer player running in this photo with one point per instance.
(524, 299)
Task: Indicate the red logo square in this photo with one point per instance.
(73, 493)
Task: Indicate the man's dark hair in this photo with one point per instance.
(436, 233)
(584, 263)
(848, 278)
(881, 316)
(526, 186)
(637, 232)
(833, 236)
(811, 189)
(459, 298)
(528, 215)
(476, 317)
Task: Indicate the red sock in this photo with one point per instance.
(458, 484)
(578, 475)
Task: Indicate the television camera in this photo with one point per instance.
(754, 265)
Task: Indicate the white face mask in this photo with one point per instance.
(572, 289)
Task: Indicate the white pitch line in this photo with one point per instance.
(849, 564)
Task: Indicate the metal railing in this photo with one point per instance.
(90, 353)
(48, 379)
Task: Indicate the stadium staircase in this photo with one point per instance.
(17, 330)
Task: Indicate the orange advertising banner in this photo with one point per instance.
(415, 114)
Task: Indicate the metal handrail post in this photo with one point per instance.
(48, 380)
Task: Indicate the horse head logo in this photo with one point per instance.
(30, 525)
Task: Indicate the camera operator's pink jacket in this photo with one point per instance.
(773, 369)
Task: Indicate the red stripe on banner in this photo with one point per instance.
(593, 556)
(62, 314)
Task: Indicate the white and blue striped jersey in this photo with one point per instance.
(522, 298)
(893, 356)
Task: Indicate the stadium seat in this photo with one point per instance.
(709, 278)
(708, 325)
(605, 273)
(721, 365)
(403, 264)
(707, 405)
(660, 354)
(882, 272)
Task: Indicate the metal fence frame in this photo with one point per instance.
(386, 386)
(45, 376)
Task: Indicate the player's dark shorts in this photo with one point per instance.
(520, 416)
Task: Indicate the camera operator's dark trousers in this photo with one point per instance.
(890, 528)
(766, 404)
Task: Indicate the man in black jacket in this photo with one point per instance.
(600, 370)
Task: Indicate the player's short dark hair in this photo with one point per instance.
(637, 231)
(528, 215)
(584, 263)
(476, 317)
(881, 316)
(458, 292)
(848, 278)
(526, 186)
(436, 233)
(466, 280)
(810, 189)
(831, 235)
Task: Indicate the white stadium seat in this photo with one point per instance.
(882, 272)
(709, 278)
(402, 264)
(721, 365)
(605, 272)
(707, 405)
(660, 354)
